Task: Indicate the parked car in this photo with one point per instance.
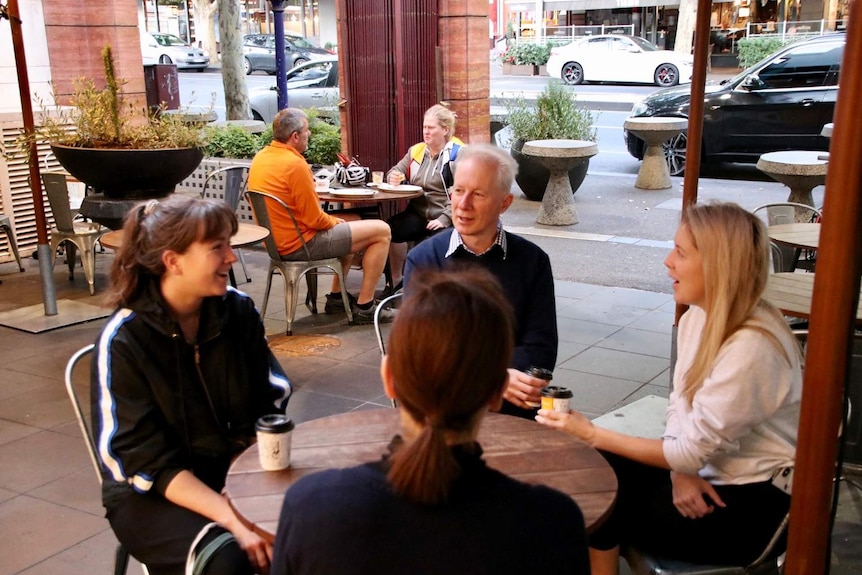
(259, 52)
(780, 103)
(618, 58)
(158, 48)
(312, 84)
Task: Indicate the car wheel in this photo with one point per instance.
(666, 75)
(674, 154)
(299, 61)
(572, 73)
(247, 66)
(165, 59)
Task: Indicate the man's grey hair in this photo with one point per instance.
(501, 163)
(286, 122)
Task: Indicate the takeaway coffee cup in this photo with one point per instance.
(539, 373)
(273, 441)
(556, 398)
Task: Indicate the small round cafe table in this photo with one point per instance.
(520, 448)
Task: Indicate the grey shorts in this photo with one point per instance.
(332, 243)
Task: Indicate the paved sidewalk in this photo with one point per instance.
(614, 348)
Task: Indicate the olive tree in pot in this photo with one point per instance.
(117, 149)
(556, 115)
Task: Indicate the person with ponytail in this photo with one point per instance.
(180, 374)
(432, 505)
(715, 488)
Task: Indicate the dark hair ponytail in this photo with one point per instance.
(449, 350)
(153, 227)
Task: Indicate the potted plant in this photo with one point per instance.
(555, 115)
(117, 149)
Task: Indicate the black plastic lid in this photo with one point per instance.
(274, 423)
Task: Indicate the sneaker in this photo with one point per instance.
(334, 303)
(366, 316)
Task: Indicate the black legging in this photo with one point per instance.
(645, 516)
(408, 226)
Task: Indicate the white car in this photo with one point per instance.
(158, 48)
(312, 84)
(618, 58)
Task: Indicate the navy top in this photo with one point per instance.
(349, 521)
(524, 271)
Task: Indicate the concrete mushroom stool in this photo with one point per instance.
(655, 131)
(799, 170)
(826, 132)
(559, 156)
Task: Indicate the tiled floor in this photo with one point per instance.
(615, 348)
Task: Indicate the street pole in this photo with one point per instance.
(46, 270)
(280, 67)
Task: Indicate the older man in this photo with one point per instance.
(480, 194)
(281, 170)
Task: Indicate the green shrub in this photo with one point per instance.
(753, 50)
(556, 114)
(232, 142)
(324, 144)
(526, 53)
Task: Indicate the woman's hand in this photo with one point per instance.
(571, 422)
(688, 495)
(435, 225)
(396, 177)
(259, 551)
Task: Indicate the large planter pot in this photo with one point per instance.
(533, 177)
(129, 174)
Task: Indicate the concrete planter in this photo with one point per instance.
(518, 69)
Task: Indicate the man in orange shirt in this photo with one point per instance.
(281, 170)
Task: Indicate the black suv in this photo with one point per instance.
(780, 103)
(258, 52)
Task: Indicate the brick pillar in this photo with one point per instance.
(78, 30)
(466, 70)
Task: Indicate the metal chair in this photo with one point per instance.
(234, 179)
(292, 270)
(80, 235)
(6, 224)
(121, 557)
(378, 325)
(784, 258)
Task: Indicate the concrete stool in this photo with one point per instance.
(799, 170)
(826, 132)
(250, 126)
(655, 131)
(559, 156)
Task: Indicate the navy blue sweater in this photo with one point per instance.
(525, 275)
(350, 522)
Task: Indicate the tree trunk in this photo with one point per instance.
(205, 27)
(685, 26)
(232, 72)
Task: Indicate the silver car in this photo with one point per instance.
(312, 84)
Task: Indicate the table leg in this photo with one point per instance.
(232, 277)
(558, 204)
(801, 195)
(653, 173)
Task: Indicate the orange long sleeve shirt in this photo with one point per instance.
(280, 170)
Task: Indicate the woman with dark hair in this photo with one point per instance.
(180, 374)
(432, 505)
(715, 487)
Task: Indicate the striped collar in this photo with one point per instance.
(455, 242)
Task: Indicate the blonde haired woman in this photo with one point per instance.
(429, 164)
(708, 490)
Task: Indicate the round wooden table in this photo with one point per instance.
(519, 448)
(377, 197)
(791, 293)
(800, 236)
(246, 235)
